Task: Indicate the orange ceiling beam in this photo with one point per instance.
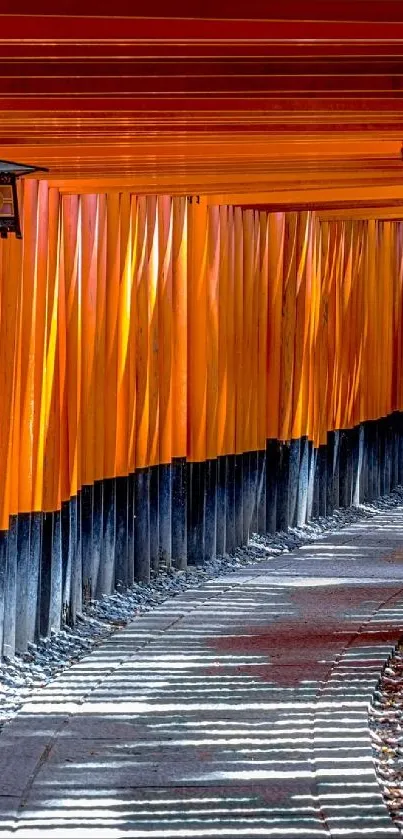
(193, 93)
(362, 213)
(378, 195)
(361, 151)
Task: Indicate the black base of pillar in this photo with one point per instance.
(179, 513)
(272, 477)
(239, 499)
(283, 515)
(121, 529)
(214, 509)
(165, 515)
(142, 525)
(293, 480)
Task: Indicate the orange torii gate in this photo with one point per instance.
(178, 373)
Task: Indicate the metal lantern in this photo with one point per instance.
(9, 215)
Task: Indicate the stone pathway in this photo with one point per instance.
(238, 709)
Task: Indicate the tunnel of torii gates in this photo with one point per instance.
(201, 329)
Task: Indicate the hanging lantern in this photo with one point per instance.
(9, 215)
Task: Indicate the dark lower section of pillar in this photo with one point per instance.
(22, 570)
(130, 530)
(312, 459)
(303, 482)
(230, 531)
(361, 473)
(333, 471)
(46, 574)
(34, 576)
(55, 605)
(247, 493)
(321, 491)
(399, 431)
(108, 536)
(121, 533)
(142, 525)
(179, 513)
(214, 508)
(293, 480)
(283, 488)
(345, 469)
(374, 470)
(218, 513)
(122, 530)
(195, 512)
(272, 480)
(261, 503)
(239, 498)
(165, 515)
(3, 575)
(154, 520)
(88, 571)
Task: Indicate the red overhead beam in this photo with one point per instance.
(161, 51)
(358, 10)
(133, 72)
(216, 86)
(266, 106)
(34, 27)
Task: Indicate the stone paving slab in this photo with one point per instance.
(235, 710)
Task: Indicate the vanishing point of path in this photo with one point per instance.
(235, 710)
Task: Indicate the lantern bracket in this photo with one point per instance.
(9, 213)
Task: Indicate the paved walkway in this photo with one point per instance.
(235, 710)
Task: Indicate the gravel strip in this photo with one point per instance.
(24, 673)
(386, 726)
